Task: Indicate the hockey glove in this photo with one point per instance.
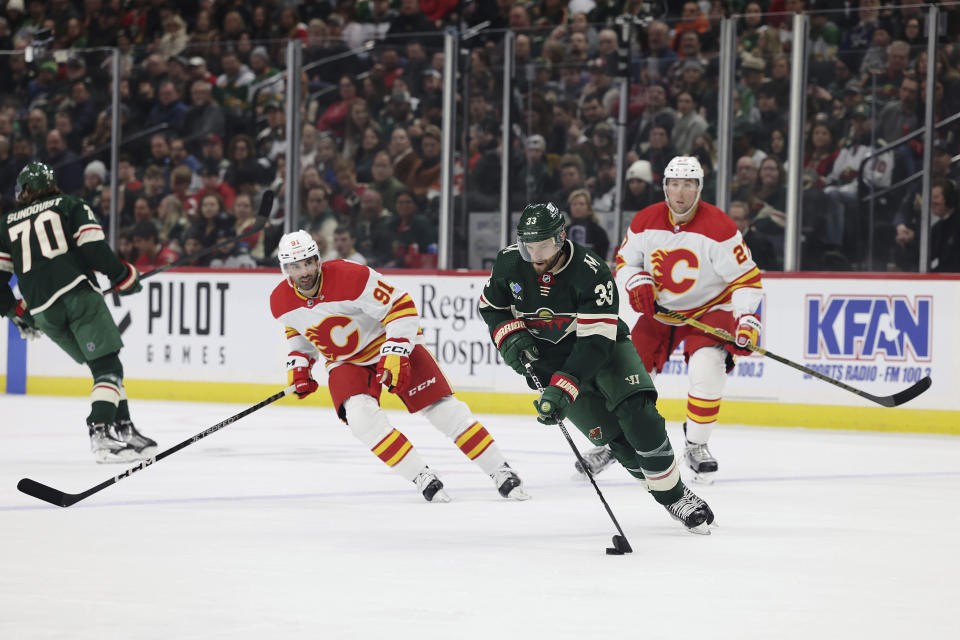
(393, 369)
(24, 322)
(556, 399)
(748, 332)
(513, 340)
(640, 288)
(298, 374)
(129, 282)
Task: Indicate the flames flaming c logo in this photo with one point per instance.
(665, 263)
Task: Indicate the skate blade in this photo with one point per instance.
(702, 529)
(707, 478)
(440, 496)
(125, 455)
(518, 494)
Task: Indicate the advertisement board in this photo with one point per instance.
(877, 334)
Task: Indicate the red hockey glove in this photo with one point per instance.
(641, 290)
(393, 369)
(298, 374)
(748, 332)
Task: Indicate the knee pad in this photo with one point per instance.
(449, 415)
(707, 370)
(367, 421)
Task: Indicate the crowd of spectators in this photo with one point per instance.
(204, 124)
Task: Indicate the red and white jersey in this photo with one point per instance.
(354, 311)
(696, 267)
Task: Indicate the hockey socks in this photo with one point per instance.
(107, 388)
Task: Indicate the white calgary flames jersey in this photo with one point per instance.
(354, 312)
(697, 267)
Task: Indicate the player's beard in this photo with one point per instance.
(548, 264)
(308, 284)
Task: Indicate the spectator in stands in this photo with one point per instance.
(410, 21)
(762, 250)
(772, 184)
(659, 150)
(63, 123)
(181, 157)
(688, 125)
(405, 159)
(150, 252)
(319, 216)
(945, 233)
(83, 112)
(411, 232)
(94, 176)
(346, 202)
(600, 85)
(371, 145)
(771, 114)
(334, 118)
(174, 39)
(212, 184)
(344, 243)
(358, 119)
(584, 227)
(205, 117)
(906, 222)
(182, 187)
(532, 178)
(901, 116)
(38, 127)
(660, 56)
(745, 184)
(242, 167)
(889, 79)
(820, 151)
(639, 192)
(160, 152)
(142, 211)
(571, 177)
(271, 140)
(425, 180)
(170, 110)
(232, 85)
(371, 242)
(692, 19)
(192, 245)
(173, 221)
(245, 218)
(66, 163)
(213, 222)
(384, 182)
(656, 112)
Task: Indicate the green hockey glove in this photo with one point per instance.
(24, 322)
(513, 339)
(129, 283)
(557, 398)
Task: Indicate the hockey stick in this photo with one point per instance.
(620, 543)
(61, 499)
(894, 400)
(266, 204)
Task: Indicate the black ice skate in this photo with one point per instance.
(128, 433)
(692, 511)
(597, 459)
(107, 446)
(508, 483)
(430, 486)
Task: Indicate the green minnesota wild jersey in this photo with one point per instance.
(52, 245)
(572, 312)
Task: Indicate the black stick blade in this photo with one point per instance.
(45, 493)
(909, 394)
(620, 544)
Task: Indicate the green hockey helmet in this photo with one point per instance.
(34, 177)
(539, 222)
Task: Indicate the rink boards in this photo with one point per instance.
(209, 335)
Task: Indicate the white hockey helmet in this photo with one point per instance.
(684, 167)
(294, 247)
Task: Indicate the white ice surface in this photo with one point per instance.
(283, 526)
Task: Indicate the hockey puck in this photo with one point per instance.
(611, 551)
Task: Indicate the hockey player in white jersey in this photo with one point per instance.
(689, 257)
(367, 331)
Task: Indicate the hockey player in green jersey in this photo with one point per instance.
(556, 302)
(53, 243)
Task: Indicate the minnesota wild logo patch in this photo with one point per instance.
(595, 434)
(547, 325)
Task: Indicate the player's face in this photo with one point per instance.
(543, 254)
(681, 194)
(304, 273)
